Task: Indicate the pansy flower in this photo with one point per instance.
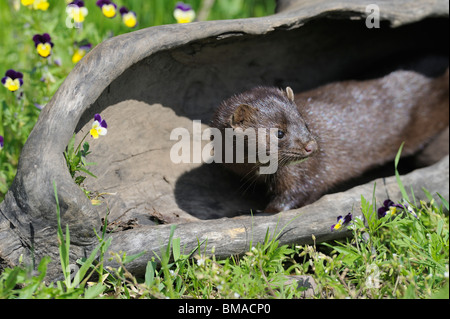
(99, 127)
(389, 207)
(410, 210)
(128, 17)
(43, 44)
(77, 11)
(12, 80)
(82, 48)
(109, 8)
(41, 5)
(342, 221)
(36, 4)
(2, 142)
(26, 3)
(183, 13)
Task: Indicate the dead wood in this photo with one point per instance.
(147, 82)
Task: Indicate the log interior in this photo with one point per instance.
(175, 87)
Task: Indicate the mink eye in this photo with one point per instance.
(280, 134)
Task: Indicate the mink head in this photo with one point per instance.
(274, 110)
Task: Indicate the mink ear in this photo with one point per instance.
(290, 94)
(242, 114)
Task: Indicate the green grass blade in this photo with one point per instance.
(63, 246)
(150, 273)
(11, 281)
(176, 249)
(86, 171)
(427, 194)
(397, 175)
(79, 276)
(130, 258)
(397, 157)
(94, 291)
(444, 201)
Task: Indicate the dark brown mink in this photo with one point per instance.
(264, 107)
(352, 127)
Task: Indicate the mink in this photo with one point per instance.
(337, 132)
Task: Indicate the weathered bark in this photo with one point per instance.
(147, 82)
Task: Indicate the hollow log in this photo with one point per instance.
(148, 82)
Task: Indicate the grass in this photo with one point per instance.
(404, 255)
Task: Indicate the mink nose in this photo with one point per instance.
(311, 147)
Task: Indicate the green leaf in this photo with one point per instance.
(28, 291)
(87, 263)
(442, 294)
(89, 163)
(70, 146)
(94, 291)
(11, 280)
(63, 253)
(128, 259)
(86, 146)
(444, 201)
(440, 227)
(86, 171)
(410, 292)
(79, 180)
(349, 256)
(150, 273)
(42, 267)
(67, 242)
(176, 249)
(427, 194)
(399, 153)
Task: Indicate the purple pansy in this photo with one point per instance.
(129, 18)
(101, 3)
(99, 127)
(42, 38)
(183, 13)
(123, 10)
(12, 80)
(342, 221)
(43, 44)
(108, 7)
(77, 3)
(388, 206)
(183, 6)
(77, 11)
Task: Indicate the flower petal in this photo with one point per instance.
(102, 131)
(95, 124)
(348, 218)
(10, 84)
(109, 10)
(44, 49)
(13, 74)
(94, 133)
